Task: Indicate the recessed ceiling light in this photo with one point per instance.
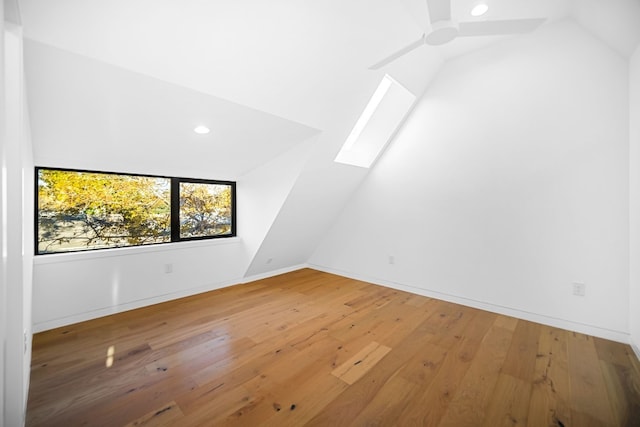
(479, 9)
(201, 130)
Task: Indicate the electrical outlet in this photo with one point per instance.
(168, 268)
(24, 335)
(392, 259)
(269, 260)
(579, 289)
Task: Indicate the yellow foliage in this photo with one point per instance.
(105, 209)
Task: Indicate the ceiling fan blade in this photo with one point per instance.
(496, 28)
(416, 44)
(439, 10)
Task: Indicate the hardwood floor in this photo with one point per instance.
(310, 348)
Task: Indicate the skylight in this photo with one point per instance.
(377, 124)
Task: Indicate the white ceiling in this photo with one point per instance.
(283, 56)
(301, 60)
(286, 57)
(90, 115)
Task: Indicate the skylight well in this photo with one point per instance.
(377, 124)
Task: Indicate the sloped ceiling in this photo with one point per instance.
(305, 61)
(617, 22)
(289, 58)
(92, 115)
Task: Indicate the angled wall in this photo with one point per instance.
(263, 191)
(324, 187)
(507, 185)
(316, 199)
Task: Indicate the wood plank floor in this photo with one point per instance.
(310, 348)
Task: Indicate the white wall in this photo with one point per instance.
(508, 183)
(634, 198)
(262, 193)
(17, 254)
(69, 288)
(316, 199)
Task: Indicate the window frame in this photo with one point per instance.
(174, 200)
(175, 208)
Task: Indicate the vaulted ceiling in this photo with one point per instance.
(120, 84)
(304, 61)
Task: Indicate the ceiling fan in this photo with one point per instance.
(444, 30)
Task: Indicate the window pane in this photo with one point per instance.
(205, 210)
(89, 210)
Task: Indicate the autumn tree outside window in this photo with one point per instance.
(80, 210)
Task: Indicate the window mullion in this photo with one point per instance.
(175, 209)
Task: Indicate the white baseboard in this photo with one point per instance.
(635, 349)
(533, 317)
(132, 305)
(507, 311)
(272, 273)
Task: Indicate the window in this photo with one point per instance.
(84, 210)
(205, 209)
(377, 124)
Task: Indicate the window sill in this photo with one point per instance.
(135, 250)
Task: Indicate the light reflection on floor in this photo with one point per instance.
(110, 352)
